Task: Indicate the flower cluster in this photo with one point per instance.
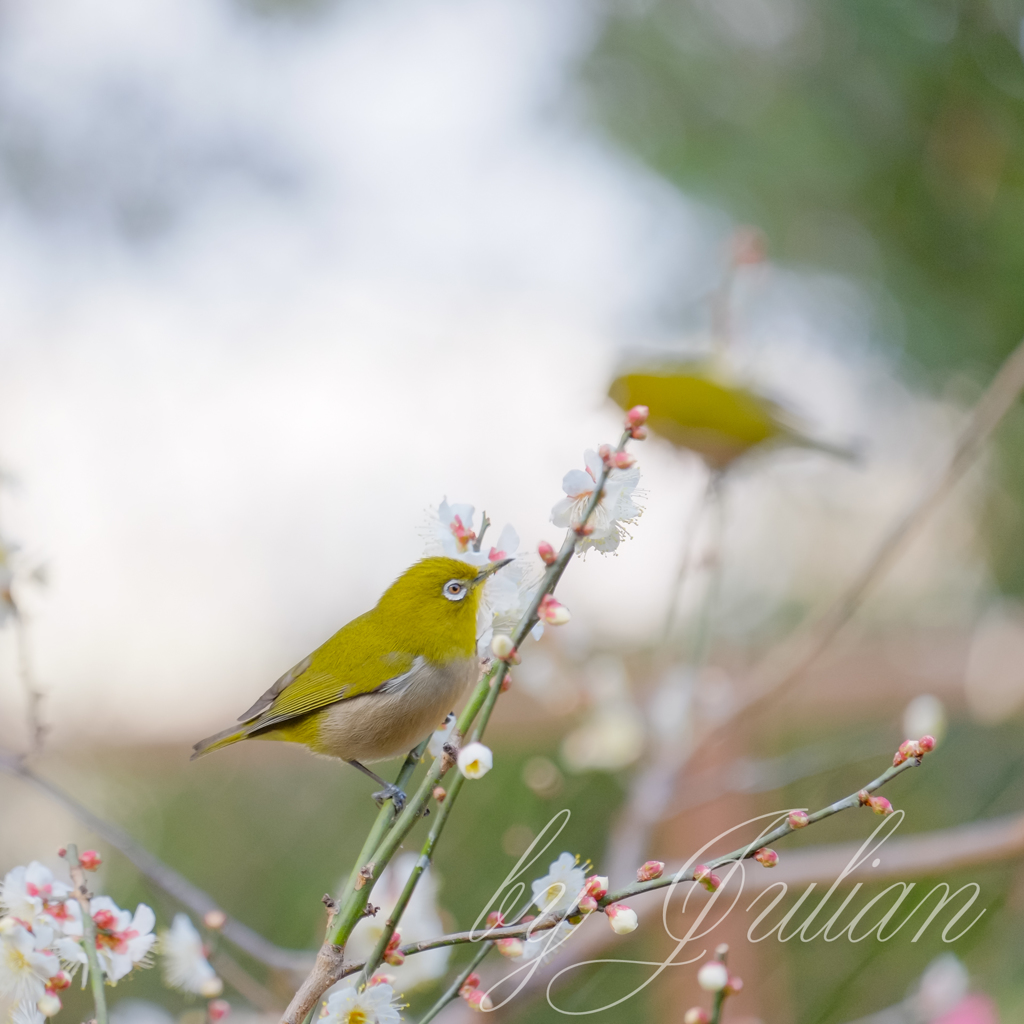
(913, 748)
(42, 942)
(374, 1004)
(605, 528)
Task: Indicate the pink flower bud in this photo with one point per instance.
(695, 1015)
(638, 433)
(863, 796)
(623, 460)
(503, 648)
(476, 999)
(218, 1009)
(62, 852)
(622, 918)
(439, 793)
(380, 978)
(90, 860)
(769, 858)
(215, 920)
(734, 986)
(910, 748)
(637, 416)
(495, 919)
(703, 874)
(553, 611)
(471, 982)
(587, 904)
(546, 552)
(898, 759)
(798, 819)
(927, 744)
(512, 948)
(596, 886)
(880, 805)
(650, 870)
(607, 453)
(396, 959)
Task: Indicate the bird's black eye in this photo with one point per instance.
(455, 590)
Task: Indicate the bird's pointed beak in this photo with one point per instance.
(489, 570)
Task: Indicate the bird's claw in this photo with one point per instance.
(394, 794)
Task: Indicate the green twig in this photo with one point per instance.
(452, 992)
(83, 896)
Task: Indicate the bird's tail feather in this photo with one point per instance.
(220, 739)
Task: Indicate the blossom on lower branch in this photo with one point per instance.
(122, 939)
(374, 1004)
(561, 887)
(184, 962)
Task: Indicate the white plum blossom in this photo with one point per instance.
(33, 896)
(420, 921)
(546, 944)
(26, 964)
(184, 962)
(122, 940)
(373, 1005)
(615, 508)
(475, 760)
(559, 889)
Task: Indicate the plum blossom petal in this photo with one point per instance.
(122, 940)
(615, 508)
(559, 889)
(32, 895)
(374, 1005)
(184, 962)
(26, 965)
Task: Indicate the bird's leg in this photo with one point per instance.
(390, 790)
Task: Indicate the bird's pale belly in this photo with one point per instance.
(378, 726)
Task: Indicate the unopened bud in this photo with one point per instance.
(546, 552)
(623, 460)
(381, 978)
(495, 919)
(62, 852)
(90, 860)
(596, 886)
(734, 986)
(911, 748)
(637, 416)
(511, 947)
(863, 796)
(696, 1015)
(475, 760)
(215, 920)
(650, 870)
(503, 648)
(587, 904)
(552, 611)
(396, 959)
(880, 805)
(927, 744)
(703, 874)
(48, 1006)
(476, 999)
(439, 793)
(798, 819)
(472, 981)
(713, 976)
(769, 858)
(621, 918)
(211, 988)
(218, 1009)
(898, 759)
(607, 453)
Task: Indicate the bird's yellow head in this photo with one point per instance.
(431, 608)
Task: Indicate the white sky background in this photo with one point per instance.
(271, 289)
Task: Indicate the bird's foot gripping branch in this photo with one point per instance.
(598, 502)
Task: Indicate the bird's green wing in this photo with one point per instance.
(348, 665)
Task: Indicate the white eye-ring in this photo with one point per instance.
(455, 590)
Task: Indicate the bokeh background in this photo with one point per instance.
(281, 275)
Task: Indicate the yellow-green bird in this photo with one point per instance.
(384, 681)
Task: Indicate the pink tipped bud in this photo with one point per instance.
(863, 796)
(927, 744)
(596, 886)
(476, 999)
(880, 805)
(734, 986)
(62, 852)
(898, 759)
(546, 552)
(380, 978)
(503, 648)
(512, 948)
(607, 453)
(471, 982)
(638, 433)
(696, 1015)
(637, 416)
(769, 858)
(910, 748)
(623, 460)
(552, 611)
(90, 860)
(218, 1009)
(798, 819)
(60, 981)
(215, 920)
(650, 870)
(587, 904)
(396, 959)
(495, 919)
(703, 874)
(622, 918)
(439, 793)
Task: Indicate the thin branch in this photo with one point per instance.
(453, 989)
(175, 885)
(83, 896)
